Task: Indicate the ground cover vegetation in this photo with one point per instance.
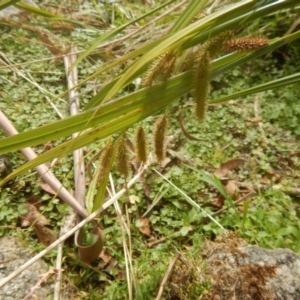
(206, 95)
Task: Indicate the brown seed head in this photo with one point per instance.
(160, 138)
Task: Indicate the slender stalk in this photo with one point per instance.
(43, 170)
(191, 201)
(108, 203)
(78, 157)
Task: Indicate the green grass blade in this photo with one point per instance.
(46, 14)
(245, 211)
(180, 84)
(202, 29)
(292, 79)
(173, 41)
(209, 26)
(6, 3)
(155, 98)
(187, 16)
(212, 180)
(111, 34)
(156, 101)
(39, 11)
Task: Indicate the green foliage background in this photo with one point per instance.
(112, 101)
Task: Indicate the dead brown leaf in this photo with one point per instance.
(46, 188)
(45, 235)
(121, 275)
(32, 215)
(270, 178)
(112, 264)
(232, 189)
(106, 257)
(217, 203)
(143, 225)
(232, 164)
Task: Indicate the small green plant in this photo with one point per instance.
(88, 238)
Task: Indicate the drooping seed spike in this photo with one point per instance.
(106, 159)
(246, 44)
(201, 78)
(160, 131)
(163, 66)
(141, 145)
(215, 45)
(122, 160)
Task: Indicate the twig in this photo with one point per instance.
(293, 26)
(126, 249)
(166, 277)
(161, 240)
(65, 228)
(73, 230)
(78, 157)
(183, 158)
(184, 131)
(252, 193)
(287, 190)
(57, 285)
(43, 170)
(44, 278)
(154, 243)
(190, 200)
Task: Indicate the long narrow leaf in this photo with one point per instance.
(185, 38)
(186, 17)
(6, 3)
(171, 89)
(107, 36)
(111, 110)
(158, 101)
(172, 41)
(292, 79)
(212, 180)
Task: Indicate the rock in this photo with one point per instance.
(13, 255)
(245, 272)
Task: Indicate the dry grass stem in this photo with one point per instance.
(166, 277)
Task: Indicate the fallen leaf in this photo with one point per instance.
(143, 224)
(32, 215)
(105, 256)
(47, 188)
(112, 264)
(45, 235)
(232, 189)
(217, 203)
(165, 162)
(121, 275)
(232, 164)
(270, 178)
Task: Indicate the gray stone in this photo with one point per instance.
(14, 254)
(244, 272)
